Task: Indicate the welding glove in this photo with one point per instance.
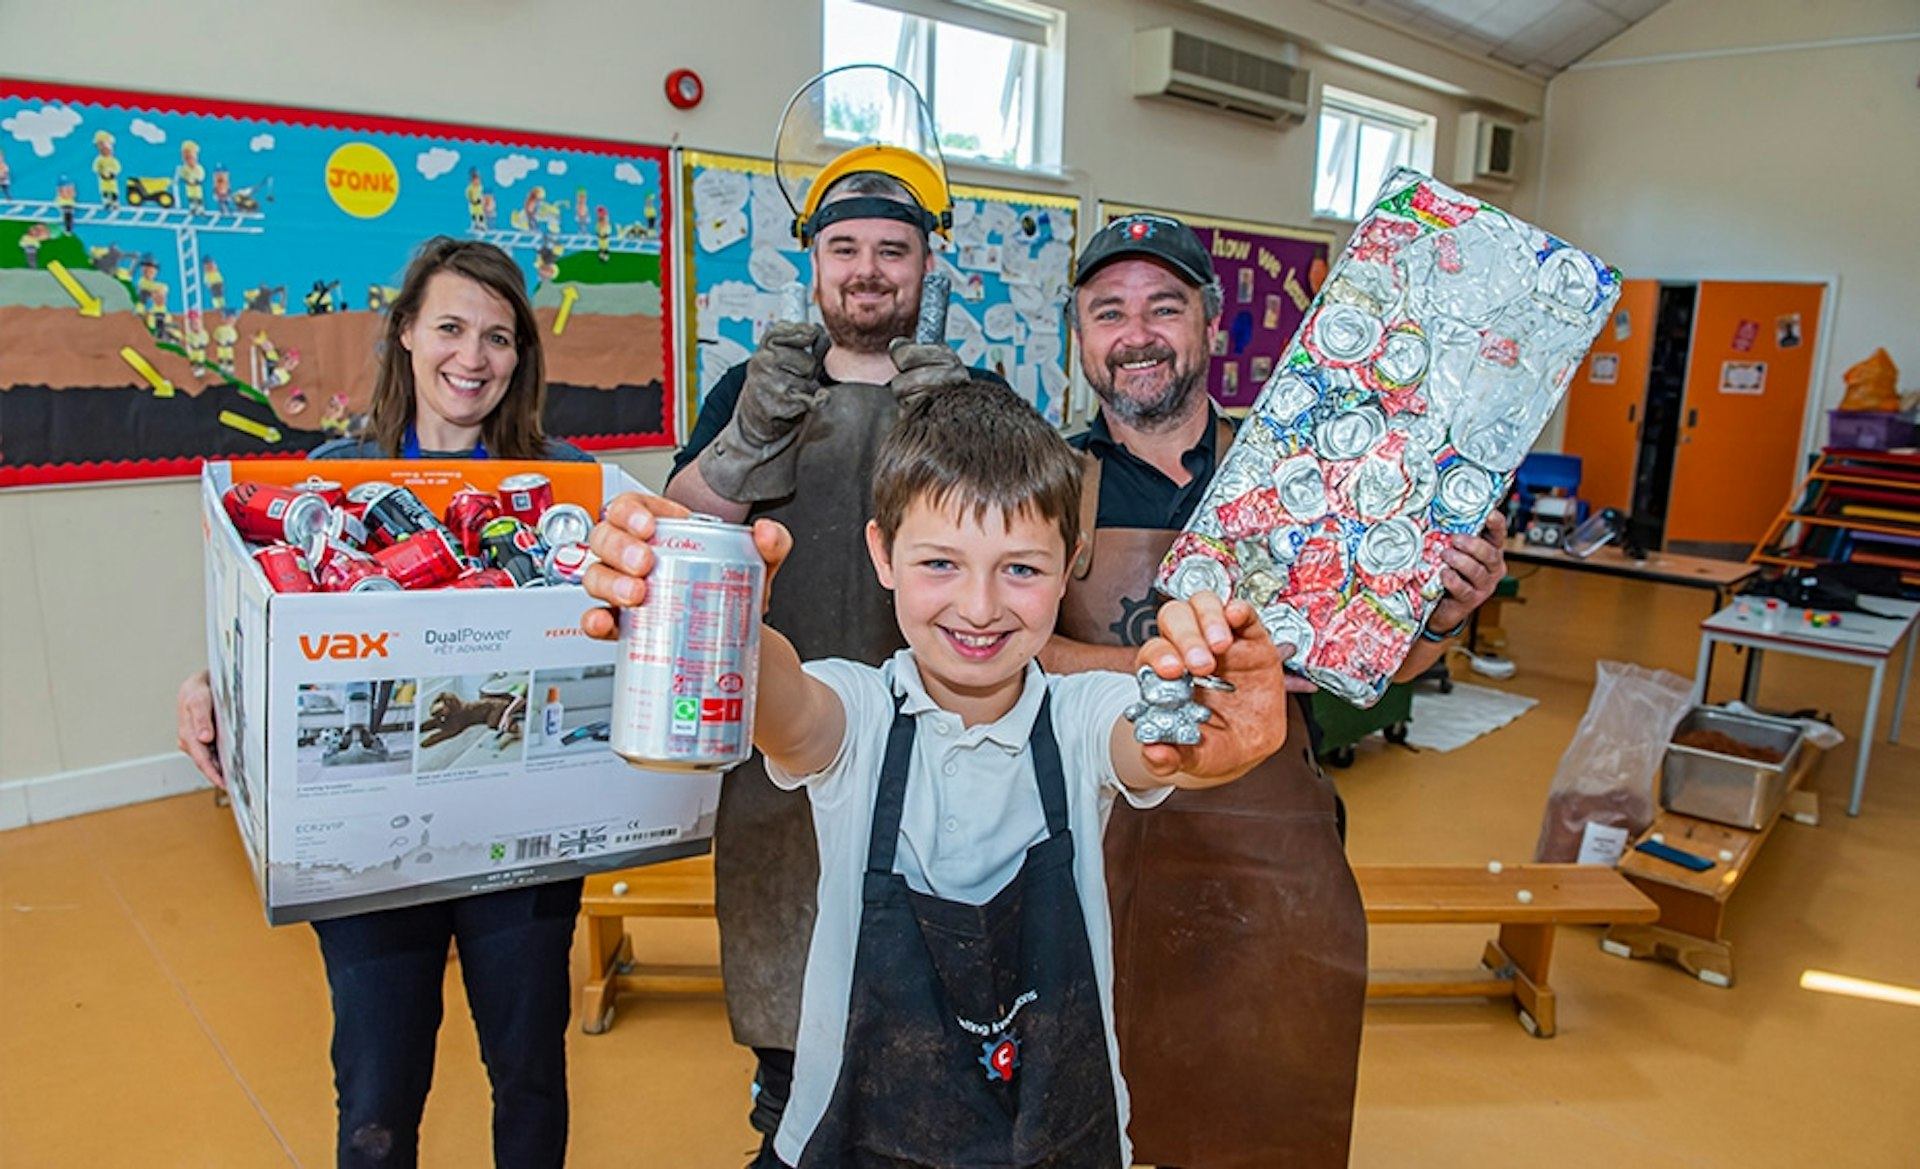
(756, 456)
(923, 368)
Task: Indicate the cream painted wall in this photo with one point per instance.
(101, 609)
(1678, 152)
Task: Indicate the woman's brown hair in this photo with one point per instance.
(512, 430)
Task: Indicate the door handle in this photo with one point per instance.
(1633, 411)
(1693, 417)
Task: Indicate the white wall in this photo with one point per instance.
(100, 606)
(1755, 139)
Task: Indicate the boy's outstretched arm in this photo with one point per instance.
(798, 721)
(1247, 723)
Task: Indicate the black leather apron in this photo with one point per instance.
(1239, 938)
(766, 863)
(975, 1035)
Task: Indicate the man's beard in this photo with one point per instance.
(1171, 404)
(872, 334)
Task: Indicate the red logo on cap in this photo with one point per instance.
(1138, 230)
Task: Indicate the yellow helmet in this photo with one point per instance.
(102, 138)
(901, 143)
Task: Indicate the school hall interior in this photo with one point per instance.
(1746, 164)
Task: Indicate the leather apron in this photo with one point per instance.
(1239, 937)
(975, 1035)
(827, 601)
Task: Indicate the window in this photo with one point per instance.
(1361, 139)
(989, 69)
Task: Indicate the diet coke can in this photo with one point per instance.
(468, 513)
(526, 497)
(566, 564)
(565, 523)
(265, 514)
(423, 560)
(286, 569)
(392, 513)
(689, 657)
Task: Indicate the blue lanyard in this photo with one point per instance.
(410, 449)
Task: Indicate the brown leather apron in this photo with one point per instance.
(1239, 938)
(827, 601)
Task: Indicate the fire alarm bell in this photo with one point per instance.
(684, 89)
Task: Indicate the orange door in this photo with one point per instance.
(1606, 396)
(1746, 401)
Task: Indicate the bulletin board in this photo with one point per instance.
(184, 279)
(1268, 276)
(1009, 260)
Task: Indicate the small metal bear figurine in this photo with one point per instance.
(1166, 712)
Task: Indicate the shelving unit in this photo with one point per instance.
(1857, 506)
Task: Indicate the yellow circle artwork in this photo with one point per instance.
(362, 180)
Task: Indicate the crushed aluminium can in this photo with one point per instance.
(689, 656)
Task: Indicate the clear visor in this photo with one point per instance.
(840, 117)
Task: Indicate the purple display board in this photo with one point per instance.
(1268, 277)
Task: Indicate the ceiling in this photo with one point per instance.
(1541, 37)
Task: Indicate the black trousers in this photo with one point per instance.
(386, 970)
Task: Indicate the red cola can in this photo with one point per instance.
(286, 569)
(508, 544)
(485, 578)
(266, 514)
(470, 511)
(327, 489)
(355, 575)
(423, 560)
(325, 549)
(526, 497)
(392, 513)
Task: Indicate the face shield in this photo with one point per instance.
(860, 118)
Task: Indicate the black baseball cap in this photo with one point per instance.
(1156, 237)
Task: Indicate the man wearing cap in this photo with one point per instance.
(1240, 944)
(791, 434)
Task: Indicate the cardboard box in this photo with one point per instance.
(429, 805)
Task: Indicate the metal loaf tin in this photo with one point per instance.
(1726, 788)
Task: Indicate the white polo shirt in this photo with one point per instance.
(972, 811)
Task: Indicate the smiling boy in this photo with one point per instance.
(957, 1000)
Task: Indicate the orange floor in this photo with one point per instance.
(149, 1018)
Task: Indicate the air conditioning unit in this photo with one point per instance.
(1485, 151)
(1173, 64)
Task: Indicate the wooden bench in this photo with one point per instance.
(682, 888)
(1515, 965)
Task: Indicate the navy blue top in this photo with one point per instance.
(559, 450)
(1134, 493)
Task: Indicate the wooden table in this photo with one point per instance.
(1700, 572)
(1693, 905)
(1515, 965)
(1859, 640)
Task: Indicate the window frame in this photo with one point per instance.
(1415, 129)
(1038, 34)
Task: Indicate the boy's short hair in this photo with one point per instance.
(980, 446)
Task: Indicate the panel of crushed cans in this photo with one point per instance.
(1437, 349)
(322, 536)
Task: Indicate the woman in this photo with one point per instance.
(461, 376)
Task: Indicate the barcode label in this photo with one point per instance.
(531, 848)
